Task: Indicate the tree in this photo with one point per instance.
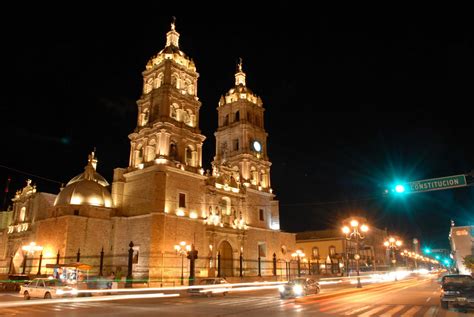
(468, 262)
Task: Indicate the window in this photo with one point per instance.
(22, 214)
(249, 117)
(226, 120)
(236, 144)
(315, 253)
(237, 116)
(332, 250)
(262, 249)
(261, 215)
(182, 200)
(173, 151)
(76, 212)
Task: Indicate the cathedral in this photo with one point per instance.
(164, 197)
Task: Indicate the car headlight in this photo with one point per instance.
(297, 289)
(59, 292)
(281, 288)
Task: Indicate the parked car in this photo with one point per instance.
(457, 290)
(210, 286)
(47, 288)
(299, 287)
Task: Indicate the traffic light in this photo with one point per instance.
(399, 188)
(396, 188)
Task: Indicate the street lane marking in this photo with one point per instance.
(352, 312)
(431, 312)
(392, 311)
(412, 311)
(373, 311)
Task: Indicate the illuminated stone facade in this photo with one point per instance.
(164, 196)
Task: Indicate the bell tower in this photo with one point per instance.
(167, 129)
(241, 140)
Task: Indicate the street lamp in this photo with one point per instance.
(393, 244)
(31, 249)
(298, 254)
(182, 249)
(355, 232)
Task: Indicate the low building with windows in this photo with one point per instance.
(329, 252)
(164, 196)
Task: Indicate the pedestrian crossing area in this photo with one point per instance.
(46, 309)
(242, 305)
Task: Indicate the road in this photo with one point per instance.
(403, 298)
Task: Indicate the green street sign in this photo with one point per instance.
(426, 185)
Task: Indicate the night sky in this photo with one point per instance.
(351, 104)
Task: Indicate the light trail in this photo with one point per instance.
(83, 299)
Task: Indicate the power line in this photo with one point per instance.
(30, 174)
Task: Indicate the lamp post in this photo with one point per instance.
(355, 232)
(182, 248)
(30, 250)
(392, 244)
(298, 254)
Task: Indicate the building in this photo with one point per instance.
(164, 196)
(462, 244)
(329, 252)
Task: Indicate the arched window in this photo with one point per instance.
(249, 117)
(173, 153)
(158, 81)
(226, 119)
(189, 156)
(332, 251)
(237, 116)
(315, 253)
(225, 205)
(148, 85)
(145, 116)
(174, 111)
(22, 214)
(254, 175)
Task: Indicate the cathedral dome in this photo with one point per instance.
(84, 192)
(88, 188)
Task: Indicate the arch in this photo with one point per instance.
(315, 253)
(225, 204)
(22, 214)
(145, 116)
(226, 259)
(148, 86)
(237, 115)
(173, 151)
(174, 111)
(175, 80)
(189, 156)
(253, 175)
(158, 81)
(332, 251)
(226, 119)
(249, 117)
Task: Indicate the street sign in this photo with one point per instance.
(426, 185)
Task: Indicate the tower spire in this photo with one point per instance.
(240, 75)
(172, 37)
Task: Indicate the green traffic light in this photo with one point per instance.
(400, 188)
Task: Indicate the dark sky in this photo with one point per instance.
(351, 104)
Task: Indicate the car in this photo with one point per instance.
(47, 288)
(210, 286)
(457, 290)
(299, 287)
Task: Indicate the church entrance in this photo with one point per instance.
(226, 265)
